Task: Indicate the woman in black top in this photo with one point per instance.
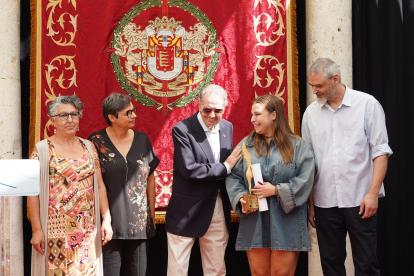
(127, 163)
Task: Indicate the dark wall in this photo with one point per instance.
(302, 267)
(383, 58)
(25, 116)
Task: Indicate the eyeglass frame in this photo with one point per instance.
(216, 110)
(134, 109)
(64, 114)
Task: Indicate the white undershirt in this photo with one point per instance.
(213, 137)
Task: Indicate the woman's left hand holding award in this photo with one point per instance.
(252, 203)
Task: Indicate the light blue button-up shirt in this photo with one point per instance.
(345, 142)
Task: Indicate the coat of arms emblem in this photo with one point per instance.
(164, 61)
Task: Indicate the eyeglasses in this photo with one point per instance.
(208, 110)
(129, 112)
(65, 116)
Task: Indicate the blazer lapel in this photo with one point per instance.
(202, 140)
(225, 142)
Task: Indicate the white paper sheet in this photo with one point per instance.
(19, 177)
(257, 175)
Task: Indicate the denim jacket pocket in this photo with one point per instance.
(283, 172)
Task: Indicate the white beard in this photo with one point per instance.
(321, 100)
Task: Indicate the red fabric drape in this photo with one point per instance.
(76, 50)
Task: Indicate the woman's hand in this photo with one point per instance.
(242, 202)
(38, 241)
(264, 190)
(106, 231)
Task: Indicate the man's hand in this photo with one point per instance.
(370, 204)
(311, 214)
(311, 207)
(370, 200)
(234, 157)
(38, 241)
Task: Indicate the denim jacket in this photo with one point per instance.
(284, 226)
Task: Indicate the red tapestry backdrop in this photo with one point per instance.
(161, 53)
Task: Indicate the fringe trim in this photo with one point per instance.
(33, 39)
(33, 43)
(234, 217)
(295, 66)
(160, 217)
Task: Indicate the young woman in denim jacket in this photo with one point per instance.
(272, 239)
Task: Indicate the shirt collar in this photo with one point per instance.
(347, 97)
(203, 125)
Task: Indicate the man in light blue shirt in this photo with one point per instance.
(346, 131)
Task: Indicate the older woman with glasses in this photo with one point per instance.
(65, 216)
(128, 163)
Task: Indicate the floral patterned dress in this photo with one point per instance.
(126, 184)
(71, 214)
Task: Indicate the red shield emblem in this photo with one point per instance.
(165, 58)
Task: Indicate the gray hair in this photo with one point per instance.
(325, 66)
(73, 100)
(216, 90)
(113, 104)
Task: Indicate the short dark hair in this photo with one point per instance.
(113, 104)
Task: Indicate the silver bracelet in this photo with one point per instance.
(107, 215)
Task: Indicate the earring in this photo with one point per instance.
(54, 131)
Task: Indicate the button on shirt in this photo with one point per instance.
(345, 142)
(213, 137)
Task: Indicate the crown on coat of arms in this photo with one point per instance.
(165, 24)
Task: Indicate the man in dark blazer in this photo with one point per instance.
(199, 205)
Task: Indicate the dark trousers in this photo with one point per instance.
(125, 257)
(332, 224)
